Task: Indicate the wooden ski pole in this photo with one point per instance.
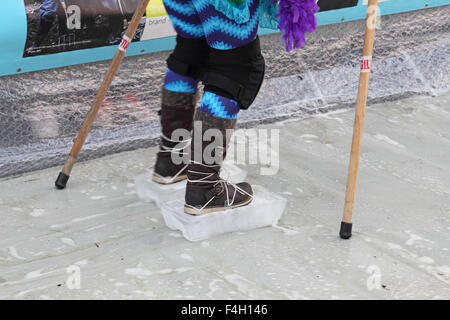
(366, 66)
(64, 175)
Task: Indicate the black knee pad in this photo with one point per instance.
(236, 74)
(189, 57)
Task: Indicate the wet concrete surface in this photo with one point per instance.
(121, 248)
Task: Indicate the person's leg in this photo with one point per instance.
(44, 28)
(62, 20)
(180, 86)
(47, 16)
(232, 79)
(190, 41)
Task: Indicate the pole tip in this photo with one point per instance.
(346, 230)
(61, 181)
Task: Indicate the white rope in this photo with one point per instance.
(173, 149)
(223, 182)
(168, 139)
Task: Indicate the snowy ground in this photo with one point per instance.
(122, 248)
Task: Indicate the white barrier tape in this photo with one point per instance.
(124, 44)
(366, 64)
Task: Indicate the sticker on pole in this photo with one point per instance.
(124, 44)
(366, 64)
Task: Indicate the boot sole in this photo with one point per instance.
(198, 212)
(167, 181)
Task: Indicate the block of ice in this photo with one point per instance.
(265, 210)
(149, 190)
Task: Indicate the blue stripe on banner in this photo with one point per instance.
(13, 34)
(13, 30)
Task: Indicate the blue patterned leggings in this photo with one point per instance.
(199, 19)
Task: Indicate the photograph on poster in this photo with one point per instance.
(65, 25)
(327, 5)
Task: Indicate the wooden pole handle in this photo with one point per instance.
(101, 94)
(366, 66)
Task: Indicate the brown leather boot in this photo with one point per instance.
(206, 192)
(176, 112)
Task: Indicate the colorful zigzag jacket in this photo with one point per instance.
(294, 18)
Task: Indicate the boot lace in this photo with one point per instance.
(224, 183)
(166, 149)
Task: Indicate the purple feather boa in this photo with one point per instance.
(297, 17)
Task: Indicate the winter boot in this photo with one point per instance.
(206, 192)
(176, 112)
